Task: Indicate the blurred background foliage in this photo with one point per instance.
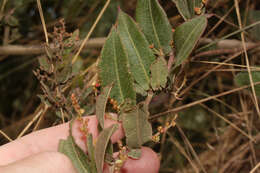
(209, 143)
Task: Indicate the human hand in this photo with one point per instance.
(37, 152)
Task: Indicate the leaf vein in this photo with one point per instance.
(137, 53)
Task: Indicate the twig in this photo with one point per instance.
(207, 73)
(200, 101)
(39, 49)
(38, 122)
(6, 136)
(222, 51)
(255, 168)
(98, 43)
(90, 32)
(229, 35)
(227, 64)
(220, 21)
(246, 57)
(213, 69)
(38, 114)
(186, 140)
(62, 115)
(225, 44)
(227, 121)
(235, 70)
(183, 152)
(43, 21)
(3, 5)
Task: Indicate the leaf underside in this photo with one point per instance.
(90, 149)
(136, 126)
(154, 24)
(113, 68)
(78, 158)
(101, 146)
(140, 56)
(186, 8)
(159, 73)
(186, 36)
(101, 104)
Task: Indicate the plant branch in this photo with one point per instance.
(39, 49)
(227, 44)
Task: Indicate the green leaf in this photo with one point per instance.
(136, 126)
(183, 8)
(12, 21)
(154, 23)
(254, 16)
(186, 7)
(44, 64)
(64, 73)
(139, 90)
(109, 154)
(90, 149)
(159, 72)
(77, 66)
(242, 79)
(125, 107)
(49, 51)
(140, 56)
(72, 39)
(78, 158)
(135, 153)
(101, 145)
(186, 36)
(69, 44)
(101, 104)
(113, 68)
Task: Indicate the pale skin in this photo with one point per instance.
(37, 152)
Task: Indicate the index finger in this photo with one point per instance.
(48, 140)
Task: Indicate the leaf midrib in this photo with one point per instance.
(185, 48)
(74, 149)
(116, 69)
(138, 55)
(152, 21)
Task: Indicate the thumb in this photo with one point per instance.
(148, 163)
(45, 162)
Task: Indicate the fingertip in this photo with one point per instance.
(93, 129)
(148, 163)
(118, 134)
(79, 136)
